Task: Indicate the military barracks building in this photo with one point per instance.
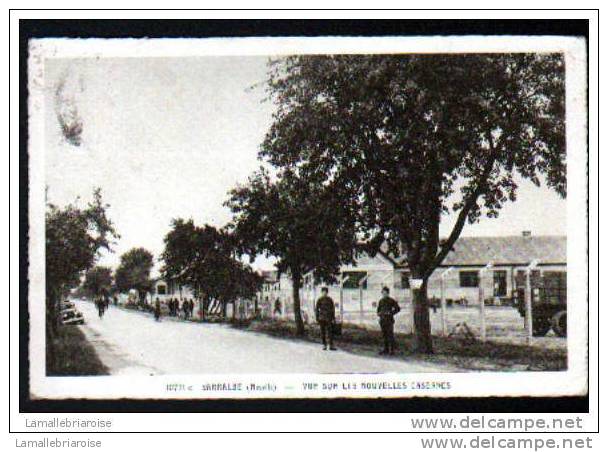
(166, 289)
(362, 282)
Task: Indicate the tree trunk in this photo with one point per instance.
(52, 302)
(297, 312)
(52, 313)
(422, 322)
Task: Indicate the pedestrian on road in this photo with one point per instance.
(387, 308)
(100, 306)
(325, 313)
(157, 310)
(186, 308)
(277, 306)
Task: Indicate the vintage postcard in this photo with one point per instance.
(307, 217)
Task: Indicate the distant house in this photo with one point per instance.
(363, 281)
(165, 289)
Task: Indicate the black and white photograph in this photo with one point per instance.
(313, 218)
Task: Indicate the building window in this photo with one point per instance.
(469, 279)
(354, 278)
(161, 289)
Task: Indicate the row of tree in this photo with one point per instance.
(75, 236)
(132, 273)
(365, 151)
(371, 151)
(204, 258)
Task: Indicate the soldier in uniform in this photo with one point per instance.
(325, 313)
(387, 308)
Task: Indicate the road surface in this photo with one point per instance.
(133, 343)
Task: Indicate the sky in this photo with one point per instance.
(169, 137)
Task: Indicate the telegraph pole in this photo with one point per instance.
(444, 322)
(482, 302)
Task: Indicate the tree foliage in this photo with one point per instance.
(203, 258)
(298, 222)
(98, 280)
(133, 272)
(405, 139)
(74, 238)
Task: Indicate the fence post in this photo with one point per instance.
(528, 300)
(444, 322)
(342, 280)
(361, 282)
(482, 302)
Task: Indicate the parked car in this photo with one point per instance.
(67, 305)
(71, 316)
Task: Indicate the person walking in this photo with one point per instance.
(186, 308)
(99, 301)
(387, 309)
(325, 313)
(277, 307)
(157, 309)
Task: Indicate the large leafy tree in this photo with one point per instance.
(133, 272)
(74, 238)
(297, 221)
(203, 258)
(406, 139)
(98, 280)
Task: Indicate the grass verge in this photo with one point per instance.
(452, 352)
(69, 353)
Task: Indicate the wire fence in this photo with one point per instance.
(478, 311)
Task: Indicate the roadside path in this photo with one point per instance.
(133, 343)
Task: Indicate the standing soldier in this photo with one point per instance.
(325, 313)
(186, 308)
(100, 305)
(387, 308)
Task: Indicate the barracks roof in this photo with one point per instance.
(507, 250)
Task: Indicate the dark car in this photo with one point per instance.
(71, 316)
